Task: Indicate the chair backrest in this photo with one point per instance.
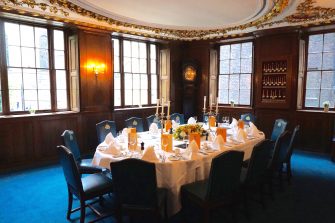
(278, 128)
(292, 143)
(248, 117)
(70, 170)
(224, 176)
(153, 119)
(70, 141)
(134, 183)
(205, 118)
(259, 161)
(280, 145)
(178, 116)
(135, 122)
(105, 127)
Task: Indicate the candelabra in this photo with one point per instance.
(161, 118)
(209, 113)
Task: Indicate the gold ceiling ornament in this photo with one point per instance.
(33, 4)
(308, 13)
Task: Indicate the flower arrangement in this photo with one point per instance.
(184, 130)
(326, 106)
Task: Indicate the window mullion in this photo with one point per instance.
(52, 71)
(149, 73)
(121, 58)
(3, 71)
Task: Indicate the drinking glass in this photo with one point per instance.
(165, 143)
(132, 143)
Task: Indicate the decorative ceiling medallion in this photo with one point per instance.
(307, 12)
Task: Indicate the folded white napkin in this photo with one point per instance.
(253, 130)
(112, 148)
(153, 128)
(150, 155)
(241, 135)
(233, 123)
(218, 144)
(109, 138)
(174, 124)
(125, 132)
(192, 151)
(191, 121)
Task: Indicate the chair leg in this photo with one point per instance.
(69, 207)
(82, 211)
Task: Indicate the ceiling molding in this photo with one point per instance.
(306, 13)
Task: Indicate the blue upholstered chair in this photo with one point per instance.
(254, 175)
(135, 122)
(105, 127)
(278, 128)
(286, 157)
(248, 117)
(177, 116)
(86, 188)
(221, 188)
(153, 119)
(84, 165)
(205, 118)
(137, 191)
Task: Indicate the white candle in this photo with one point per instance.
(210, 102)
(217, 105)
(204, 102)
(162, 106)
(157, 106)
(168, 113)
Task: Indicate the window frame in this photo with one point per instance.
(51, 69)
(122, 73)
(252, 41)
(306, 38)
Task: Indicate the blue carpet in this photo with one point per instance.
(40, 195)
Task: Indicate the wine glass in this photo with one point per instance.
(132, 144)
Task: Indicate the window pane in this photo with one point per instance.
(245, 81)
(127, 64)
(329, 42)
(27, 36)
(136, 97)
(223, 97)
(128, 78)
(135, 65)
(28, 57)
(144, 82)
(245, 97)
(234, 96)
(143, 66)
(15, 100)
(314, 61)
(126, 49)
(43, 79)
(44, 100)
(246, 50)
(224, 52)
(128, 97)
(312, 98)
(29, 79)
(143, 50)
(11, 32)
(246, 66)
(313, 80)
(144, 97)
(42, 58)
(58, 40)
(153, 96)
(116, 64)
(59, 59)
(328, 80)
(61, 99)
(223, 81)
(327, 95)
(328, 62)
(153, 66)
(61, 79)
(117, 81)
(234, 82)
(136, 81)
(315, 44)
(15, 79)
(153, 52)
(41, 38)
(134, 49)
(30, 100)
(235, 52)
(153, 82)
(117, 98)
(235, 66)
(13, 54)
(116, 47)
(224, 67)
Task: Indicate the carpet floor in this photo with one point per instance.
(40, 195)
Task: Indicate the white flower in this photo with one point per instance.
(182, 134)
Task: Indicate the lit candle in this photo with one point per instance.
(157, 106)
(210, 102)
(204, 102)
(217, 105)
(168, 113)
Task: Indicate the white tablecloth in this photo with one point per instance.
(173, 174)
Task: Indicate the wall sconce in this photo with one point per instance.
(97, 69)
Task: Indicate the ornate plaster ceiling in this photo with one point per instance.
(182, 20)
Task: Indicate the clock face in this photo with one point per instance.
(190, 73)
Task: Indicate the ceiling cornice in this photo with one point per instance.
(306, 13)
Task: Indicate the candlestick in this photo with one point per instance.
(217, 105)
(210, 102)
(168, 112)
(204, 102)
(157, 106)
(162, 106)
